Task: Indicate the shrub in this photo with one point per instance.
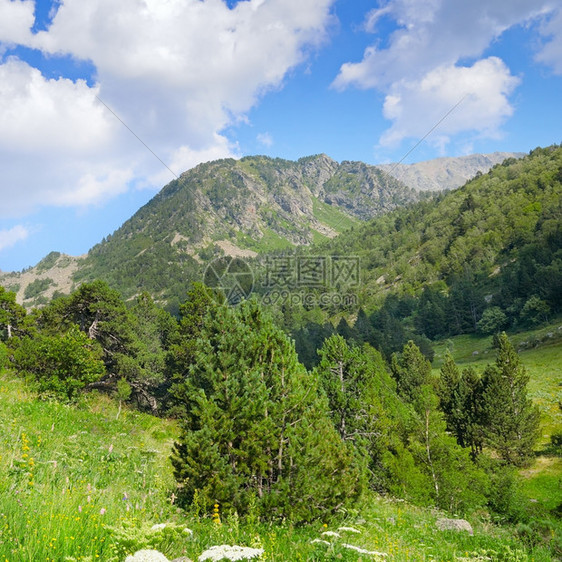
(60, 366)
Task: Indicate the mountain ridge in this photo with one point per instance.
(224, 207)
(446, 172)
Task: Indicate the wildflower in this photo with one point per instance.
(110, 448)
(80, 509)
(227, 552)
(216, 516)
(158, 527)
(147, 556)
(320, 541)
(102, 511)
(349, 530)
(364, 551)
(331, 534)
(188, 531)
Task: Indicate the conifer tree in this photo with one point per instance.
(510, 420)
(359, 392)
(411, 370)
(448, 389)
(256, 430)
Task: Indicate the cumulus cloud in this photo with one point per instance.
(481, 92)
(551, 52)
(12, 236)
(16, 20)
(425, 60)
(177, 72)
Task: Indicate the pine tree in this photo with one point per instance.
(255, 428)
(359, 391)
(510, 420)
(456, 484)
(448, 389)
(411, 370)
(460, 401)
(182, 342)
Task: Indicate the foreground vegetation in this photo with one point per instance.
(264, 452)
(213, 427)
(101, 483)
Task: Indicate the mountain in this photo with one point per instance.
(489, 251)
(446, 173)
(225, 207)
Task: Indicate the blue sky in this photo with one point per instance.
(199, 80)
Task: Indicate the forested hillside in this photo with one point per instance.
(485, 257)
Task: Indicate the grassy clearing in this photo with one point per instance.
(332, 217)
(77, 482)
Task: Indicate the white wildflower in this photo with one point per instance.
(188, 531)
(364, 551)
(235, 552)
(147, 556)
(320, 541)
(348, 530)
(331, 534)
(158, 527)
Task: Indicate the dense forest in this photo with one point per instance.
(479, 259)
(261, 430)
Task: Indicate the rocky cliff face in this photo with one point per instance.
(446, 173)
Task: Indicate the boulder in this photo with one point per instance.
(454, 525)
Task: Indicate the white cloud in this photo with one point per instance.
(551, 52)
(49, 115)
(16, 20)
(58, 144)
(266, 139)
(426, 56)
(177, 72)
(12, 236)
(416, 106)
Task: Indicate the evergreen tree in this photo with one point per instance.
(363, 328)
(411, 370)
(256, 429)
(200, 300)
(448, 390)
(359, 391)
(101, 314)
(455, 483)
(467, 418)
(460, 401)
(510, 420)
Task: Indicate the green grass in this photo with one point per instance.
(270, 241)
(332, 217)
(77, 482)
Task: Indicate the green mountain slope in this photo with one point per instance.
(243, 207)
(488, 224)
(485, 257)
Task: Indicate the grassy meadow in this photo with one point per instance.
(89, 482)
